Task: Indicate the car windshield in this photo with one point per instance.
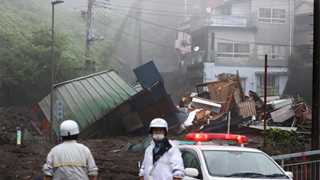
(241, 164)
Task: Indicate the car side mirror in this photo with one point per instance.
(290, 174)
(191, 172)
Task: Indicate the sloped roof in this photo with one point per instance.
(89, 98)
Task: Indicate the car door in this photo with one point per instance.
(191, 160)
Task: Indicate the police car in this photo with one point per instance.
(206, 161)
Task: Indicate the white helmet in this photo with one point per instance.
(158, 123)
(69, 128)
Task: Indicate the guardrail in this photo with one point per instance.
(303, 165)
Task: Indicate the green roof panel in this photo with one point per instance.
(87, 99)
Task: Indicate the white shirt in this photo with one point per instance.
(168, 166)
(70, 161)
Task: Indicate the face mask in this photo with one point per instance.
(158, 137)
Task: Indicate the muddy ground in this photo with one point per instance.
(25, 162)
(114, 162)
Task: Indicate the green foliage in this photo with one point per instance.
(282, 142)
(26, 63)
(25, 50)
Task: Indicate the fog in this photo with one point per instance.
(268, 27)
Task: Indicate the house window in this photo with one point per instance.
(272, 85)
(265, 14)
(274, 52)
(233, 49)
(272, 15)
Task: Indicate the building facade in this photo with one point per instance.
(303, 29)
(235, 35)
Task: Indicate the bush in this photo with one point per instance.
(283, 142)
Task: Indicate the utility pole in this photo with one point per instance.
(291, 23)
(265, 98)
(140, 56)
(52, 73)
(89, 34)
(139, 28)
(316, 80)
(52, 93)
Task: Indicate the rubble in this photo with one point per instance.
(290, 114)
(206, 104)
(104, 104)
(118, 156)
(209, 106)
(282, 114)
(247, 109)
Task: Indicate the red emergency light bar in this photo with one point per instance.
(205, 137)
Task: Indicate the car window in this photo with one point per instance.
(190, 160)
(226, 163)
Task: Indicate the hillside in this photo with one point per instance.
(25, 36)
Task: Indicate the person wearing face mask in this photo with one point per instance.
(162, 159)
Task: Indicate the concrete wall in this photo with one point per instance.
(263, 34)
(225, 35)
(271, 32)
(304, 7)
(249, 73)
(241, 8)
(303, 29)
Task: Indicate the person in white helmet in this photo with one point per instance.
(70, 160)
(162, 159)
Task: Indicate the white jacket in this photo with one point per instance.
(168, 166)
(70, 161)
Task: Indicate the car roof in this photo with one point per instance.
(219, 148)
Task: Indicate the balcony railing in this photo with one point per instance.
(228, 21)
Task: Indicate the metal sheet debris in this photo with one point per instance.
(206, 104)
(261, 128)
(282, 114)
(277, 104)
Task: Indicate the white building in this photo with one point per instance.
(236, 35)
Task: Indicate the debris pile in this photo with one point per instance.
(106, 105)
(213, 104)
(290, 114)
(221, 104)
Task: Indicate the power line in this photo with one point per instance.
(148, 11)
(135, 36)
(135, 11)
(158, 2)
(128, 6)
(150, 22)
(218, 38)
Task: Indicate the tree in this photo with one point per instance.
(25, 65)
(25, 57)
